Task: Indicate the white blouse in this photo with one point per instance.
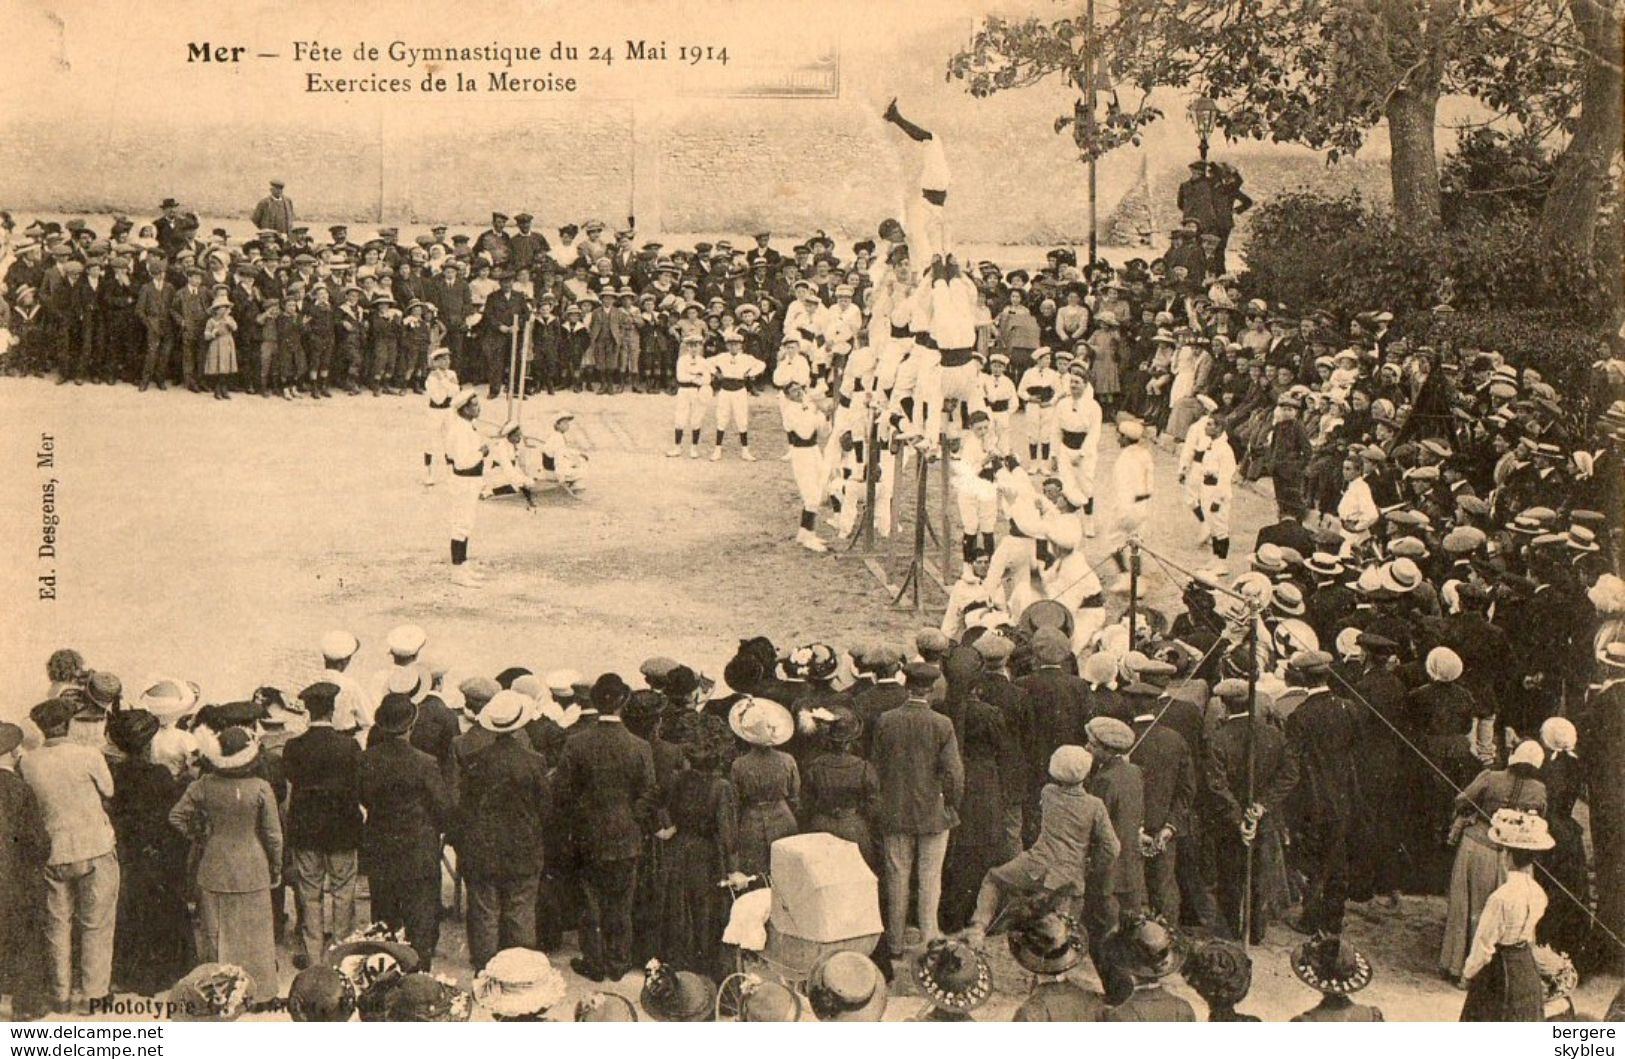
(1509, 918)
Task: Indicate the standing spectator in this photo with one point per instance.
(25, 848)
(502, 820)
(1288, 456)
(274, 213)
(704, 845)
(82, 871)
(921, 780)
(766, 779)
(408, 808)
(1323, 737)
(152, 307)
(606, 780)
(230, 814)
(1120, 785)
(323, 770)
(152, 938)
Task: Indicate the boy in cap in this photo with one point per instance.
(734, 370)
(802, 422)
(694, 376)
(1133, 482)
(188, 311)
(466, 451)
(440, 388)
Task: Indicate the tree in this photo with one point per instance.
(1572, 206)
(1318, 72)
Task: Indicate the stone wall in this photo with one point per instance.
(115, 119)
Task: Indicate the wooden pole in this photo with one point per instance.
(1089, 107)
(1133, 588)
(947, 503)
(1252, 723)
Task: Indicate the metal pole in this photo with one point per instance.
(1252, 722)
(1089, 106)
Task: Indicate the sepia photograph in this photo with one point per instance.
(740, 511)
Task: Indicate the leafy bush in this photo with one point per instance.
(1511, 292)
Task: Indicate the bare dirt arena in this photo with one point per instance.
(221, 545)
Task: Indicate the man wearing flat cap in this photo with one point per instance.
(1323, 736)
(409, 809)
(274, 213)
(1120, 784)
(495, 242)
(73, 783)
(323, 833)
(922, 778)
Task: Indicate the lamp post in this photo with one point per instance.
(1204, 114)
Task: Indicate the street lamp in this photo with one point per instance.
(1204, 115)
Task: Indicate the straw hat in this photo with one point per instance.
(846, 987)
(1511, 829)
(953, 975)
(1047, 944)
(518, 983)
(1331, 965)
(761, 722)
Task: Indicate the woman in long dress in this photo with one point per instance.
(765, 779)
(1568, 919)
(231, 814)
(1479, 866)
(152, 939)
(1503, 982)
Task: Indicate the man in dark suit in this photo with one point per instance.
(1060, 708)
(452, 298)
(498, 318)
(526, 248)
(91, 324)
(1170, 785)
(408, 809)
(323, 771)
(1322, 735)
(922, 779)
(152, 306)
(1240, 828)
(606, 781)
(885, 691)
(997, 689)
(1119, 784)
(501, 824)
(1289, 532)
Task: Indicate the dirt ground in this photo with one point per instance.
(216, 542)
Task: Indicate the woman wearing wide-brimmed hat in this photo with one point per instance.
(231, 814)
(1335, 967)
(1503, 982)
(956, 978)
(766, 780)
(1479, 866)
(152, 941)
(1146, 951)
